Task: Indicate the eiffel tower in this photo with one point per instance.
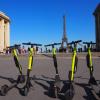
(64, 38)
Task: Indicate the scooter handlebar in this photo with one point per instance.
(33, 44)
(14, 46)
(52, 44)
(89, 42)
(74, 42)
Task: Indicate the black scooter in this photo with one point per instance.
(92, 82)
(28, 84)
(57, 83)
(21, 79)
(71, 91)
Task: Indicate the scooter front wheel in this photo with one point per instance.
(69, 93)
(56, 91)
(26, 90)
(4, 90)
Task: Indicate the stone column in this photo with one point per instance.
(97, 21)
(97, 26)
(1, 34)
(6, 35)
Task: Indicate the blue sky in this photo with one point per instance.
(41, 21)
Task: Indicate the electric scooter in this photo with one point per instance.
(70, 92)
(21, 79)
(92, 82)
(57, 83)
(28, 84)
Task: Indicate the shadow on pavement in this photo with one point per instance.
(80, 77)
(11, 80)
(12, 85)
(50, 56)
(88, 91)
(50, 90)
(50, 87)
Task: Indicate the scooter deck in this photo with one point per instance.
(57, 82)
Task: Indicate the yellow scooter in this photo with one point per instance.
(21, 78)
(28, 84)
(70, 92)
(57, 83)
(93, 83)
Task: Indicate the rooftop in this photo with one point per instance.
(4, 16)
(97, 10)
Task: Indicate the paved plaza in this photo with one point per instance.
(43, 74)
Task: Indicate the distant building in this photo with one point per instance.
(4, 31)
(97, 26)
